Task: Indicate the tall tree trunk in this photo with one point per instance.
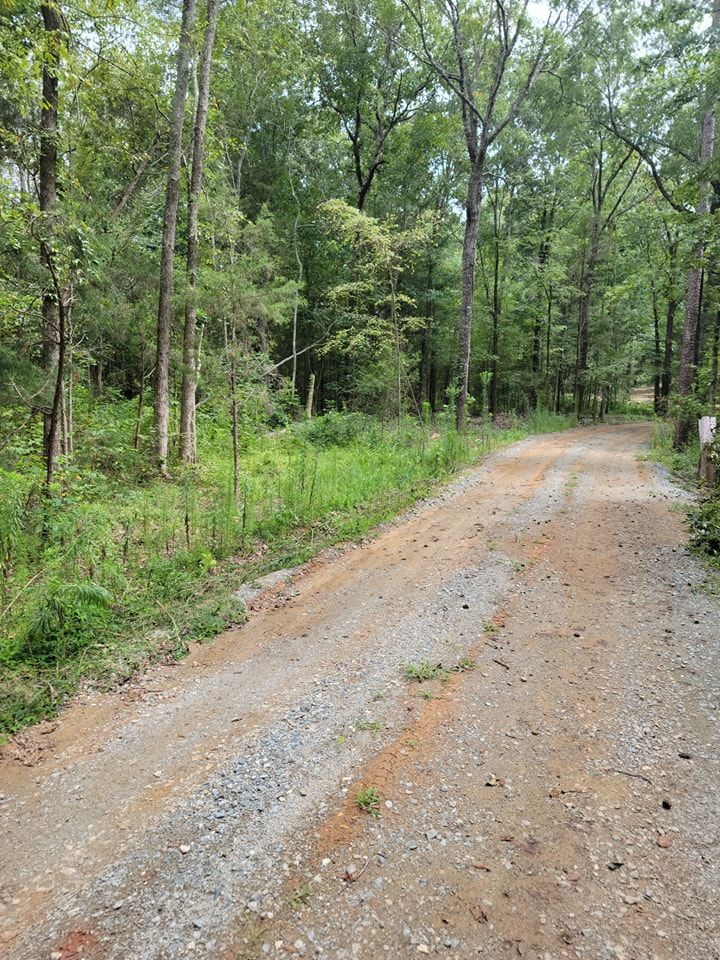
(469, 253)
(656, 358)
(172, 193)
(666, 378)
(548, 342)
(496, 307)
(686, 374)
(47, 177)
(310, 397)
(231, 350)
(424, 382)
(56, 410)
(188, 449)
(546, 225)
(586, 290)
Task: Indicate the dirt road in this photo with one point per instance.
(555, 795)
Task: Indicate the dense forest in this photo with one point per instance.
(269, 270)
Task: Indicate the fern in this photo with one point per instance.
(62, 621)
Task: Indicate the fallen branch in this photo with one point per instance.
(627, 773)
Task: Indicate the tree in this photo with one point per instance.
(368, 80)
(188, 446)
(53, 326)
(483, 39)
(172, 195)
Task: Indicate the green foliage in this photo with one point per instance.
(62, 620)
(425, 671)
(368, 800)
(704, 524)
(372, 725)
(334, 429)
(464, 664)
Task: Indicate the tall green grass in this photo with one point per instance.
(117, 569)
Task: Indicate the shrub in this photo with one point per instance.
(62, 621)
(334, 429)
(704, 521)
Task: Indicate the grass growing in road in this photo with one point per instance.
(368, 800)
(424, 671)
(373, 725)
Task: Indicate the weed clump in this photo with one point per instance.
(424, 671)
(368, 800)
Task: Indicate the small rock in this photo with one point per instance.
(184, 848)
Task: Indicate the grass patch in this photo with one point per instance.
(301, 896)
(424, 671)
(373, 726)
(368, 800)
(118, 570)
(464, 665)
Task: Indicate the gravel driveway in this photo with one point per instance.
(552, 793)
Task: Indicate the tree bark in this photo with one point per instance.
(56, 410)
(656, 357)
(586, 290)
(188, 446)
(546, 224)
(172, 193)
(310, 397)
(469, 252)
(666, 377)
(496, 307)
(48, 191)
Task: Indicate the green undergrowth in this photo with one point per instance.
(682, 464)
(703, 516)
(117, 570)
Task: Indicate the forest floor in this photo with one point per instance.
(554, 793)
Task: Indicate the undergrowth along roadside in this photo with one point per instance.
(704, 515)
(106, 576)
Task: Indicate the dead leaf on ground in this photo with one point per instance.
(479, 914)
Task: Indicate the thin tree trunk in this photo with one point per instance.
(666, 378)
(469, 253)
(53, 441)
(495, 339)
(47, 176)
(310, 396)
(548, 338)
(231, 350)
(298, 261)
(398, 354)
(656, 359)
(172, 193)
(188, 447)
(586, 290)
(546, 224)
